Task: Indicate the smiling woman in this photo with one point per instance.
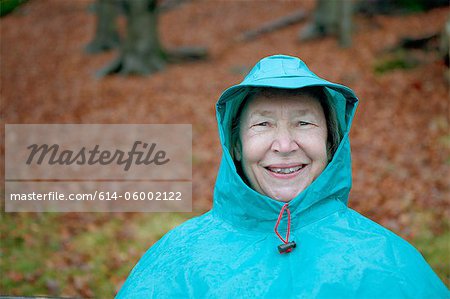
(285, 177)
(282, 140)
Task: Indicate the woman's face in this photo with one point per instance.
(283, 144)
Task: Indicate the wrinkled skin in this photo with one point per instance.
(283, 144)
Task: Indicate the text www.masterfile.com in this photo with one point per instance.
(98, 195)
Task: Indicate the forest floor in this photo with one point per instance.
(400, 136)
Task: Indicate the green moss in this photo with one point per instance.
(32, 251)
(436, 250)
(394, 63)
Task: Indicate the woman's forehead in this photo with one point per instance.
(267, 105)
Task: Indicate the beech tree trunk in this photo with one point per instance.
(345, 23)
(106, 34)
(331, 17)
(141, 52)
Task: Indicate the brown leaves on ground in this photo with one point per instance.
(400, 136)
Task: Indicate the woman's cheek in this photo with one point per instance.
(317, 139)
(254, 143)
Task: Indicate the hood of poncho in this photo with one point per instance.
(234, 200)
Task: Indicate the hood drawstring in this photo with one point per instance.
(287, 246)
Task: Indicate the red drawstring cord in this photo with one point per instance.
(287, 246)
(285, 207)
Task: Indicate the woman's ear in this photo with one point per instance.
(329, 151)
(237, 152)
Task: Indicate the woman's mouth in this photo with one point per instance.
(285, 172)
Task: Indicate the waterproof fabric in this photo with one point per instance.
(231, 251)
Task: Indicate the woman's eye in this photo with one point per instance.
(262, 124)
(303, 123)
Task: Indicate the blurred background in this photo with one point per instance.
(167, 62)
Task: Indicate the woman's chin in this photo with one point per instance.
(285, 196)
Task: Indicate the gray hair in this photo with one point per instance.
(334, 131)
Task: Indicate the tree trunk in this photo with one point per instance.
(326, 16)
(106, 34)
(331, 17)
(345, 24)
(141, 52)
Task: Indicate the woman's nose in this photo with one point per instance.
(284, 141)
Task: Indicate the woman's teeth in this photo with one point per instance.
(285, 170)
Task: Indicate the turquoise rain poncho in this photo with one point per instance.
(232, 250)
